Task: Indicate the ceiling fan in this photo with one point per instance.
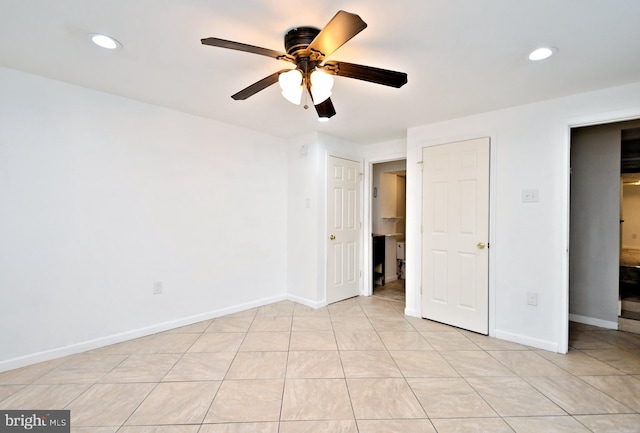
(307, 48)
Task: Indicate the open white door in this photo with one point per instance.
(343, 228)
(455, 217)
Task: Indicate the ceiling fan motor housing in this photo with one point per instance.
(299, 38)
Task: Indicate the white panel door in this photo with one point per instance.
(343, 220)
(455, 234)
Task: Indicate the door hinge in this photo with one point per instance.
(420, 228)
(360, 274)
(421, 164)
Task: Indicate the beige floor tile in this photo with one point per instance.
(246, 313)
(282, 308)
(315, 340)
(358, 340)
(82, 369)
(491, 343)
(449, 398)
(394, 340)
(142, 368)
(527, 363)
(622, 340)
(624, 389)
(8, 390)
(351, 323)
(394, 323)
(247, 401)
(266, 341)
(383, 399)
(199, 366)
(575, 396)
(27, 375)
(611, 423)
(314, 365)
(395, 426)
(168, 342)
(218, 342)
(316, 399)
(622, 360)
(512, 396)
(369, 363)
(349, 309)
(245, 427)
(423, 364)
(175, 403)
(312, 324)
(159, 429)
(230, 324)
(108, 404)
(383, 309)
(587, 340)
(475, 363)
(556, 424)
(271, 324)
(449, 340)
(578, 363)
(258, 365)
(335, 426)
(472, 425)
(43, 396)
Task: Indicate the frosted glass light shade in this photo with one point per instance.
(321, 85)
(291, 85)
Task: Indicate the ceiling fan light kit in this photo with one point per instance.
(307, 48)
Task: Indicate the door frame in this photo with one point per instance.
(367, 223)
(414, 182)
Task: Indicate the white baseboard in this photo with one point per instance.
(593, 321)
(108, 340)
(551, 346)
(307, 302)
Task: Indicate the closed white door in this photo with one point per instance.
(455, 217)
(343, 220)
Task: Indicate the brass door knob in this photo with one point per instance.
(480, 246)
(332, 237)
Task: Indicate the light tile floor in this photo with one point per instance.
(357, 366)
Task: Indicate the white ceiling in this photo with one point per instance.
(461, 56)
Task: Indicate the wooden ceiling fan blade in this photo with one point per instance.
(367, 73)
(342, 27)
(258, 86)
(223, 43)
(325, 109)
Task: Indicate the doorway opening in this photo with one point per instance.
(388, 211)
(604, 257)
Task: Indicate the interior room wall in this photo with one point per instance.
(631, 216)
(594, 225)
(528, 241)
(103, 197)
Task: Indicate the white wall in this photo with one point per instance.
(529, 241)
(631, 216)
(103, 196)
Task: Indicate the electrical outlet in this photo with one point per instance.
(532, 299)
(529, 196)
(157, 288)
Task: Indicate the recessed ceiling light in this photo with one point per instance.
(323, 119)
(104, 41)
(542, 53)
